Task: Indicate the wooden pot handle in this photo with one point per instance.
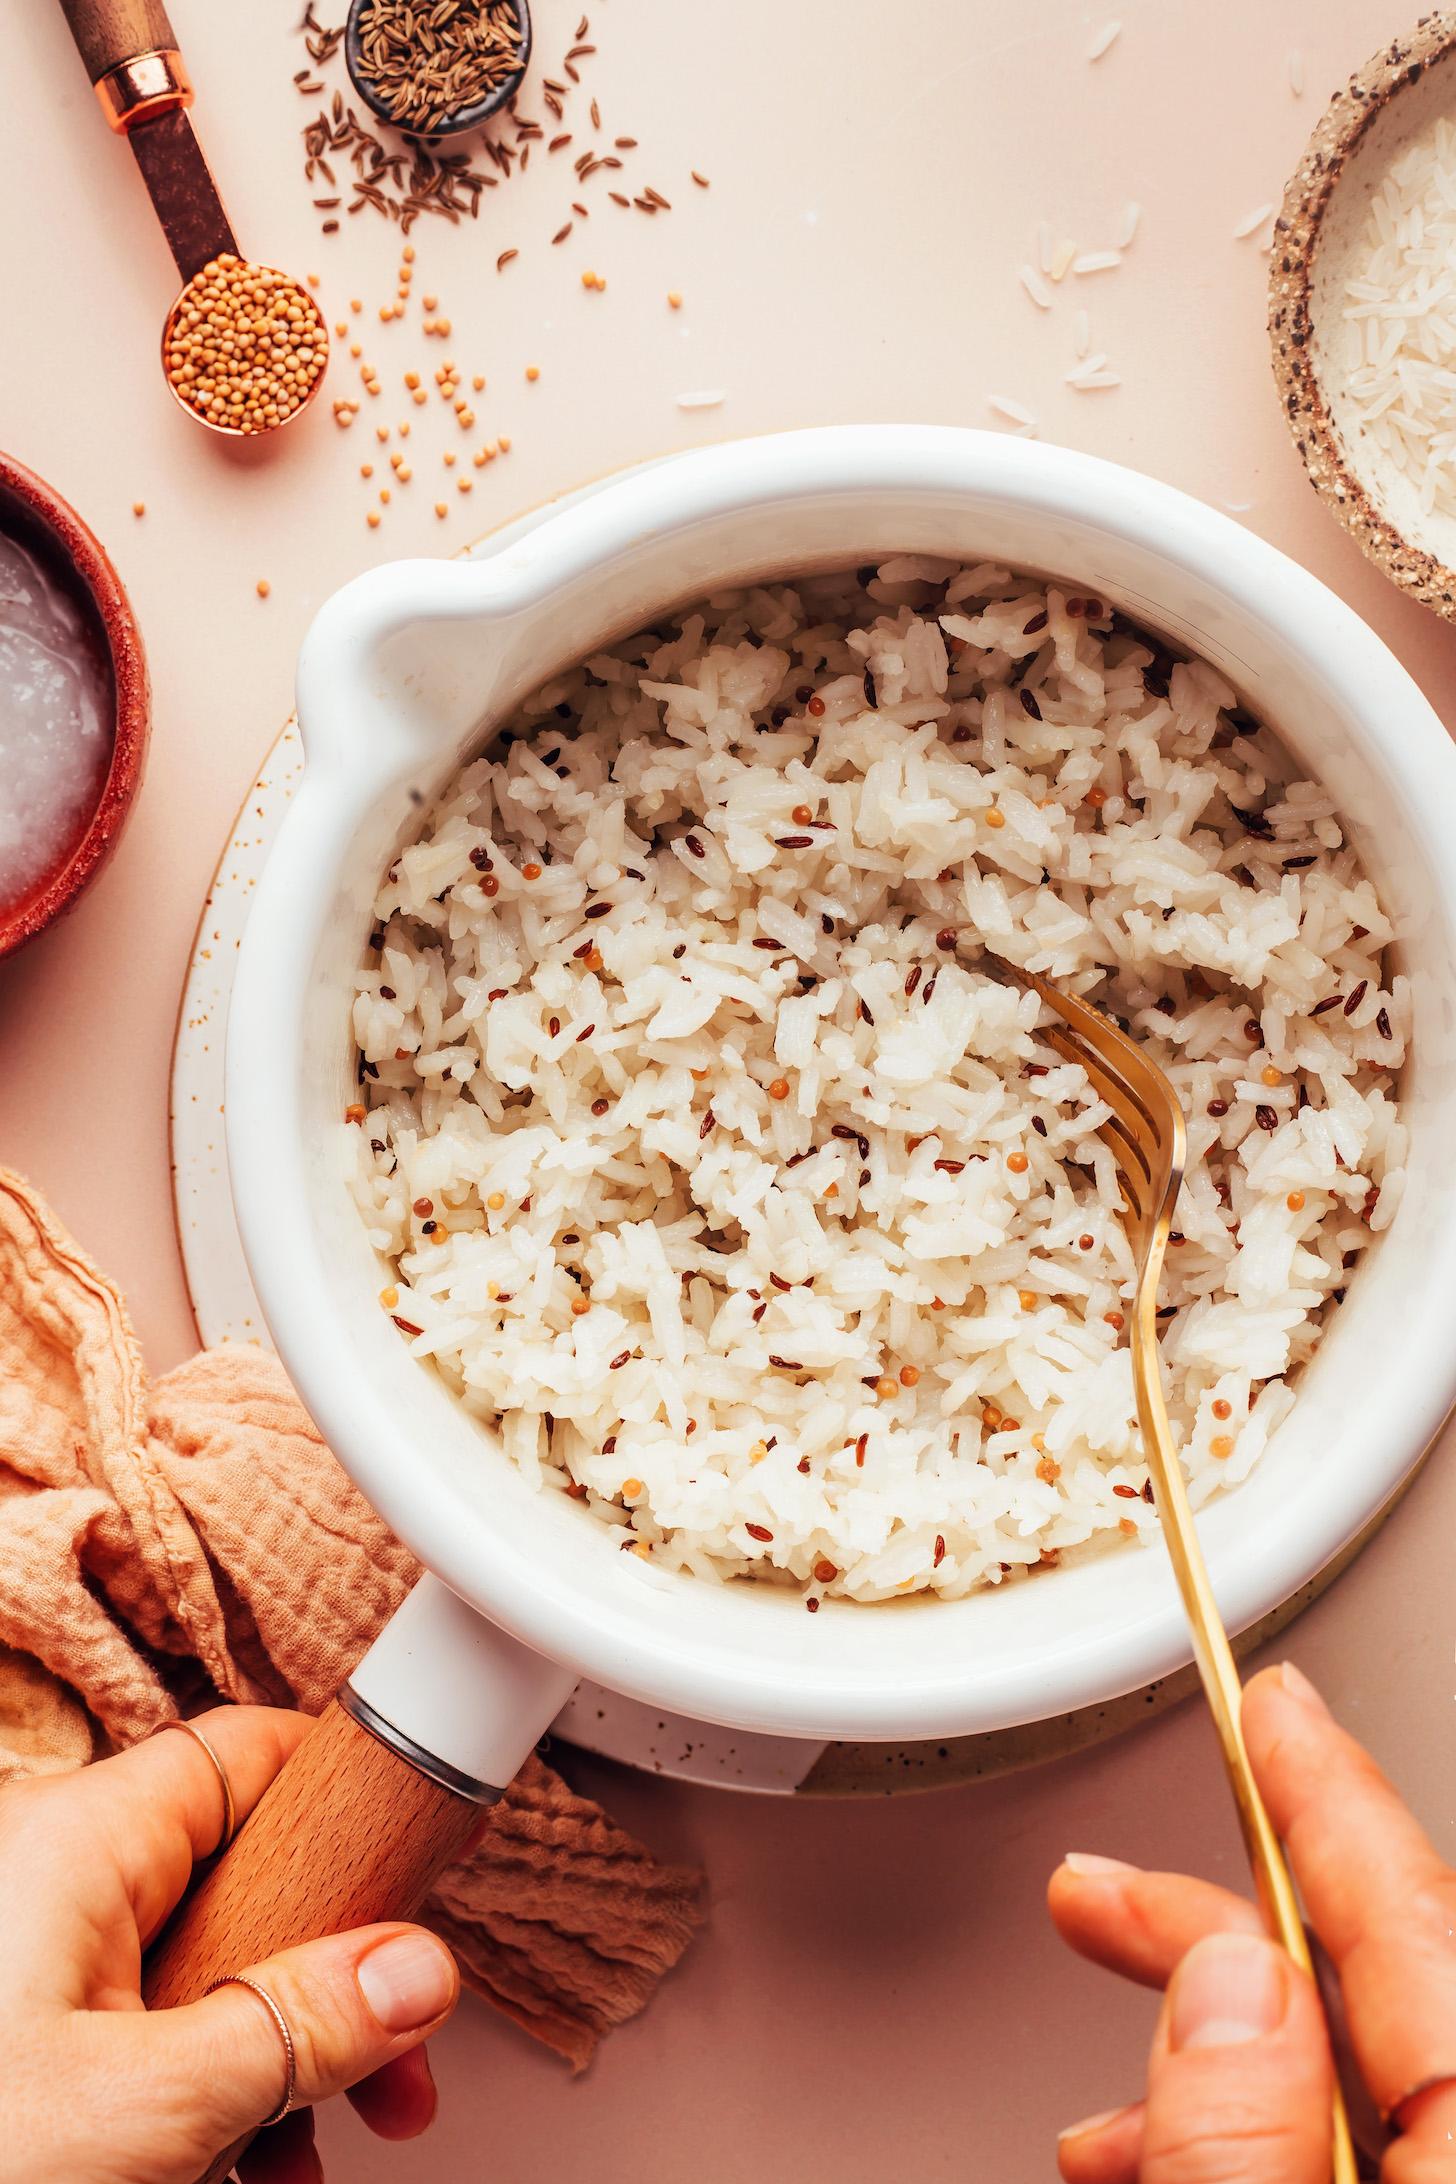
(347, 1833)
(110, 32)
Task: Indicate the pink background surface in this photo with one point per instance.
(878, 1992)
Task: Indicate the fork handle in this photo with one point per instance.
(1220, 1678)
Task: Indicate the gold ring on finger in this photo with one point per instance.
(290, 2053)
(229, 1807)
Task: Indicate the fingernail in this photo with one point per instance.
(1089, 2124)
(407, 1981)
(1298, 1685)
(1092, 1867)
(1229, 1989)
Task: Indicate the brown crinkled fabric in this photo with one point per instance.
(164, 1545)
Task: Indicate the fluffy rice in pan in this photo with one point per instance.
(711, 1163)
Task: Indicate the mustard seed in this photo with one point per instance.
(244, 346)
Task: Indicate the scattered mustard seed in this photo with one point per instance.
(533, 371)
(138, 508)
(264, 587)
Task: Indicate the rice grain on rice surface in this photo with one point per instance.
(754, 1202)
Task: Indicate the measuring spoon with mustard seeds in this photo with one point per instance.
(400, 87)
(132, 57)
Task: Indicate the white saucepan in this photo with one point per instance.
(401, 678)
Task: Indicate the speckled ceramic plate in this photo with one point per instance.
(226, 1310)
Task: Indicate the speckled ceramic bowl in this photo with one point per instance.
(35, 514)
(1390, 101)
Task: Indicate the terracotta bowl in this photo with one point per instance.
(34, 513)
(1390, 101)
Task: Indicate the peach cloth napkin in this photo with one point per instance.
(163, 1545)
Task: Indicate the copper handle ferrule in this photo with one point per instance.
(138, 90)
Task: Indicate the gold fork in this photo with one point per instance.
(1146, 1134)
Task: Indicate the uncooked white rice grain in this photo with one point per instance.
(1088, 365)
(1035, 287)
(1062, 257)
(1082, 333)
(1016, 412)
(1103, 39)
(1252, 222)
(1296, 73)
(1097, 261)
(709, 398)
(1046, 248)
(1400, 319)
(1127, 227)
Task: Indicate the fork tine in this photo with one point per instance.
(1096, 1033)
(1135, 1126)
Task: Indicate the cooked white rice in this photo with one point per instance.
(866, 1335)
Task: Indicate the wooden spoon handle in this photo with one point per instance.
(346, 1834)
(109, 33)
